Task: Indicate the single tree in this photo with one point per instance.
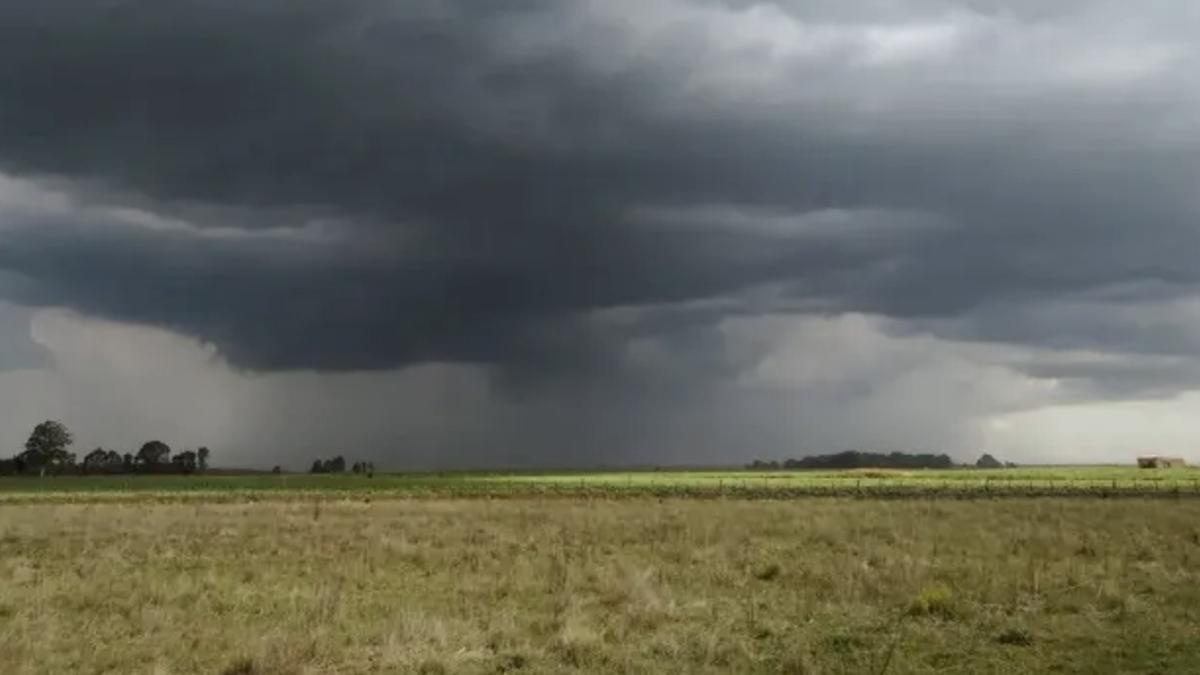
(317, 467)
(338, 465)
(47, 447)
(989, 462)
(95, 461)
(202, 459)
(127, 462)
(152, 454)
(112, 460)
(185, 462)
(276, 469)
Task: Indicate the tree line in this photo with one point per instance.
(46, 452)
(857, 459)
(338, 465)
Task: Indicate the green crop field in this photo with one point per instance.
(1050, 481)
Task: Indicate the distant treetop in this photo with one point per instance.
(989, 462)
(855, 459)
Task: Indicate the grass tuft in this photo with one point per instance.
(1015, 637)
(936, 601)
(241, 667)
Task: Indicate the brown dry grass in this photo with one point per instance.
(529, 586)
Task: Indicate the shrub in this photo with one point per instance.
(767, 572)
(936, 600)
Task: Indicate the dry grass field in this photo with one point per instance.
(601, 586)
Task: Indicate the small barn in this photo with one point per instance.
(1161, 462)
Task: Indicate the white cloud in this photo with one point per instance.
(1110, 432)
(824, 223)
(1119, 65)
(894, 45)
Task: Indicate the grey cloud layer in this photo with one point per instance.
(495, 175)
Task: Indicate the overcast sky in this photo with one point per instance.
(568, 232)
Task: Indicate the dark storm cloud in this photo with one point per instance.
(499, 172)
(284, 302)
